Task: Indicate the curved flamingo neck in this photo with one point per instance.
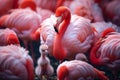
(58, 50)
(64, 25)
(93, 52)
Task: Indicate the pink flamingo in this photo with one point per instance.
(50, 5)
(100, 27)
(47, 33)
(6, 5)
(25, 23)
(7, 37)
(44, 13)
(44, 67)
(73, 35)
(86, 8)
(106, 51)
(15, 63)
(78, 70)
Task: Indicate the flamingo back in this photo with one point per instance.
(13, 63)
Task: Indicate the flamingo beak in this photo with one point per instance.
(44, 49)
(56, 30)
(56, 26)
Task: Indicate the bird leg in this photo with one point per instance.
(30, 48)
(32, 52)
(47, 77)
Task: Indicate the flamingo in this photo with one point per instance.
(50, 5)
(15, 63)
(7, 37)
(44, 67)
(78, 70)
(73, 35)
(86, 8)
(44, 13)
(101, 27)
(47, 33)
(6, 5)
(112, 11)
(106, 52)
(25, 23)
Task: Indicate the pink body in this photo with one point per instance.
(101, 27)
(15, 63)
(8, 37)
(85, 8)
(78, 70)
(47, 4)
(47, 33)
(73, 39)
(106, 51)
(24, 22)
(6, 5)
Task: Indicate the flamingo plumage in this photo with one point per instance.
(44, 68)
(106, 51)
(78, 70)
(8, 36)
(15, 63)
(100, 27)
(25, 23)
(73, 39)
(73, 34)
(86, 8)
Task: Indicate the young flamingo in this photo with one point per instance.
(78, 70)
(73, 35)
(44, 67)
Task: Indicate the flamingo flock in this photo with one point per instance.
(59, 39)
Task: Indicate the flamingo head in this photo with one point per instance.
(3, 19)
(62, 72)
(61, 14)
(43, 49)
(105, 32)
(36, 35)
(13, 39)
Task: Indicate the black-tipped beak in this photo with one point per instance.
(58, 22)
(56, 30)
